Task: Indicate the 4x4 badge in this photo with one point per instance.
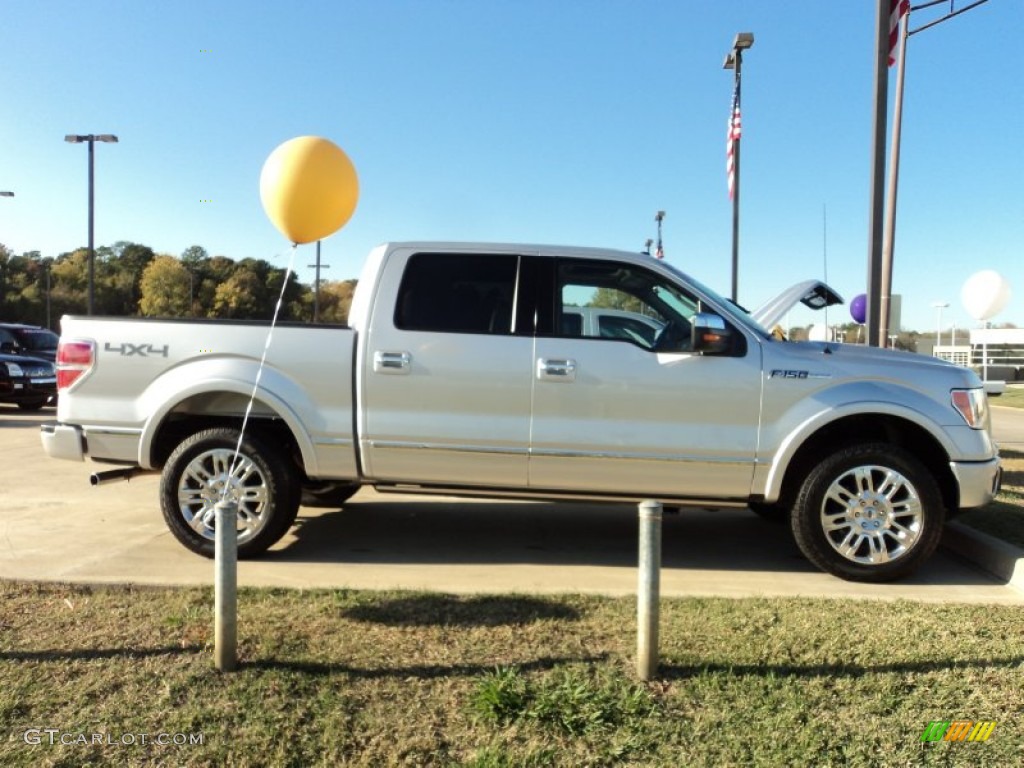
(137, 350)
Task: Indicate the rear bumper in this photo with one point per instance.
(978, 481)
(63, 441)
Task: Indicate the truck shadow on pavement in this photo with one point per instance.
(470, 532)
(429, 532)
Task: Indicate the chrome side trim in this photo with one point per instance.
(555, 454)
(446, 448)
(542, 495)
(97, 430)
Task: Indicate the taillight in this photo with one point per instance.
(74, 359)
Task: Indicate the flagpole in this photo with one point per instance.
(734, 61)
(736, 186)
(660, 252)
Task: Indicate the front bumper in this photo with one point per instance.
(63, 441)
(28, 390)
(978, 481)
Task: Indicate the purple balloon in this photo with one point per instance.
(859, 308)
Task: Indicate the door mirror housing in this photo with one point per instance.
(711, 334)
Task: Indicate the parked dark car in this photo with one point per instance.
(27, 382)
(28, 340)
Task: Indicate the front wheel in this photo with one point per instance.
(870, 512)
(203, 469)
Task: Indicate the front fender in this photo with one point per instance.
(781, 440)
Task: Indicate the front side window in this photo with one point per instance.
(611, 300)
(458, 293)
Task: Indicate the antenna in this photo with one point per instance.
(824, 256)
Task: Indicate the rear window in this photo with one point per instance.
(457, 293)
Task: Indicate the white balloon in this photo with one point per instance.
(984, 294)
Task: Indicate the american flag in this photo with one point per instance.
(660, 252)
(732, 136)
(896, 10)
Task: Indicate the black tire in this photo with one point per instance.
(889, 523)
(265, 487)
(773, 513)
(328, 494)
(32, 405)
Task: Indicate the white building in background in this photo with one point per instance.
(997, 353)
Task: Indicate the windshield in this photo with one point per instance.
(735, 311)
(37, 338)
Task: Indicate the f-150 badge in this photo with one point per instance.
(780, 373)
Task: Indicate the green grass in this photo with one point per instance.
(1012, 397)
(371, 679)
(1004, 518)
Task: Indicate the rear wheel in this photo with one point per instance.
(870, 512)
(203, 469)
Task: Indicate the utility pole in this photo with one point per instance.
(876, 337)
(316, 284)
(889, 237)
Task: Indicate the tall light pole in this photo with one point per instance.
(939, 306)
(91, 139)
(734, 61)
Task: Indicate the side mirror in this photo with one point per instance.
(711, 335)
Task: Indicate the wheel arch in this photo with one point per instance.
(225, 406)
(862, 428)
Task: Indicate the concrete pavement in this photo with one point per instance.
(55, 527)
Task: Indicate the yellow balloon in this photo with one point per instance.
(308, 188)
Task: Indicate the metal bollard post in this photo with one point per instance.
(648, 590)
(226, 586)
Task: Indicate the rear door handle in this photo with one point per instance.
(563, 371)
(393, 363)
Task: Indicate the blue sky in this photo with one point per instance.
(569, 122)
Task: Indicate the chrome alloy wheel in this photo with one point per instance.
(203, 484)
(872, 515)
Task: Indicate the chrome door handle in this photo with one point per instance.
(556, 370)
(394, 363)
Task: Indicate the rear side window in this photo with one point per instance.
(458, 293)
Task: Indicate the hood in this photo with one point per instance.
(873, 362)
(811, 293)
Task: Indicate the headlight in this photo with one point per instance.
(972, 404)
(13, 369)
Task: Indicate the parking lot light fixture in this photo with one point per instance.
(91, 139)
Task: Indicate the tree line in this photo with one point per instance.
(130, 279)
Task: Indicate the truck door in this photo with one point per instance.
(445, 381)
(627, 407)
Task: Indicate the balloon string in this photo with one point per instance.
(259, 372)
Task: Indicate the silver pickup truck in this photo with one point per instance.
(466, 369)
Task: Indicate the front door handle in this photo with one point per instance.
(563, 371)
(394, 363)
